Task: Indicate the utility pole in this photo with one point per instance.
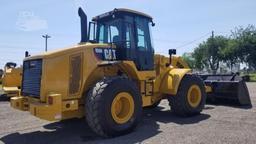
(46, 36)
(214, 52)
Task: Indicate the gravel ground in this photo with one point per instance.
(216, 124)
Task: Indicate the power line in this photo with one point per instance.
(167, 40)
(191, 42)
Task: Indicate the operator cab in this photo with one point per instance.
(130, 31)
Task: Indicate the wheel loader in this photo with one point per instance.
(109, 77)
(11, 79)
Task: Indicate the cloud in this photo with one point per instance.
(28, 21)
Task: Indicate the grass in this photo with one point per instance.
(253, 77)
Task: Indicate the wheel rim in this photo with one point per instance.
(122, 107)
(194, 96)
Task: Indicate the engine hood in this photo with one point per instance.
(66, 50)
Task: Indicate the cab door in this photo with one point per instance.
(144, 48)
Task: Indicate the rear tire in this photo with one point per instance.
(99, 107)
(181, 104)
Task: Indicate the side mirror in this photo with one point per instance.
(171, 52)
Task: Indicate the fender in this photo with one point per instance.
(171, 81)
(129, 68)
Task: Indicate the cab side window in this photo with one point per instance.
(101, 34)
(143, 38)
(128, 35)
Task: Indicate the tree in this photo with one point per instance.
(199, 55)
(230, 53)
(188, 58)
(246, 40)
(215, 44)
(208, 54)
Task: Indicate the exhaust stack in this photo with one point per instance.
(83, 18)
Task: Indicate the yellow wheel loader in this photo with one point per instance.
(11, 79)
(109, 77)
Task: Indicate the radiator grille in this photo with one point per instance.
(31, 80)
(75, 74)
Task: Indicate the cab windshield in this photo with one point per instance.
(115, 31)
(109, 32)
(106, 32)
(127, 32)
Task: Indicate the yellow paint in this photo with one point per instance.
(70, 105)
(208, 89)
(11, 81)
(122, 108)
(46, 111)
(147, 101)
(19, 103)
(56, 74)
(162, 61)
(11, 91)
(178, 62)
(194, 96)
(170, 82)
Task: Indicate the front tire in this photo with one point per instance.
(113, 107)
(190, 98)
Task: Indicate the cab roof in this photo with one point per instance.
(121, 11)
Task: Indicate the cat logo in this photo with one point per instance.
(110, 54)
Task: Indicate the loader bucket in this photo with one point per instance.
(228, 89)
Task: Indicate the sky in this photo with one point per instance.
(180, 24)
